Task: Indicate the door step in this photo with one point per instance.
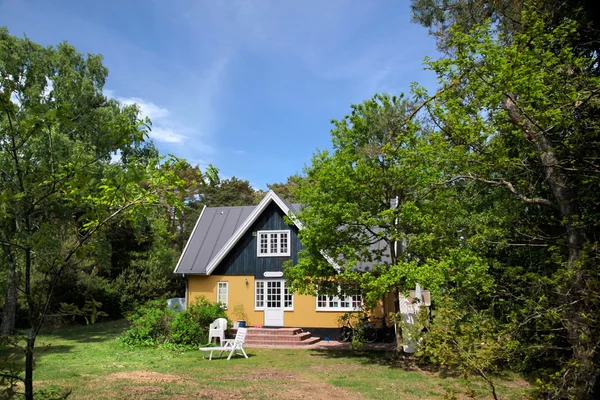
(278, 337)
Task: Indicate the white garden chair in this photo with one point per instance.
(233, 346)
(217, 330)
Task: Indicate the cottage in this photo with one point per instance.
(235, 255)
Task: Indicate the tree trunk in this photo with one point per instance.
(29, 365)
(10, 303)
(33, 324)
(572, 290)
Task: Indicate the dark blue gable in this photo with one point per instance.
(242, 259)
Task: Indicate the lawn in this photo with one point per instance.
(89, 361)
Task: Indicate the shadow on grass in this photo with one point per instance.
(387, 359)
(17, 356)
(401, 361)
(95, 333)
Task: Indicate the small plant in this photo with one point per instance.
(239, 312)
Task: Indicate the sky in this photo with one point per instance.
(250, 86)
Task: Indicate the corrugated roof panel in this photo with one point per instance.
(214, 229)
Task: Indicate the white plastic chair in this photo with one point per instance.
(233, 346)
(217, 330)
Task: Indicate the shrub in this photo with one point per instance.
(190, 327)
(155, 324)
(150, 324)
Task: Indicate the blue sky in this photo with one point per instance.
(250, 86)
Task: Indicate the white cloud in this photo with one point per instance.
(167, 135)
(147, 109)
(163, 129)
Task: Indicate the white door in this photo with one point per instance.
(274, 303)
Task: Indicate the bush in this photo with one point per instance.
(150, 324)
(155, 324)
(190, 327)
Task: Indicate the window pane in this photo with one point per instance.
(263, 243)
(222, 293)
(273, 243)
(333, 302)
(345, 302)
(356, 301)
(259, 297)
(284, 243)
(288, 301)
(321, 301)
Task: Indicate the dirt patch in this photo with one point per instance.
(291, 390)
(263, 374)
(312, 390)
(143, 389)
(221, 395)
(143, 377)
(326, 369)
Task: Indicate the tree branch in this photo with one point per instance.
(13, 377)
(505, 183)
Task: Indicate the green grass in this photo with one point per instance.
(93, 365)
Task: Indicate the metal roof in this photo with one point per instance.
(214, 228)
(218, 229)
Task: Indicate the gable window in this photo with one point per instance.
(339, 303)
(222, 293)
(273, 243)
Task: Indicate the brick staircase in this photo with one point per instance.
(278, 337)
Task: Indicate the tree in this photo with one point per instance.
(227, 193)
(521, 115)
(441, 16)
(285, 190)
(58, 185)
(375, 202)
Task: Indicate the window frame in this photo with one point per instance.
(226, 285)
(350, 299)
(256, 282)
(284, 288)
(269, 234)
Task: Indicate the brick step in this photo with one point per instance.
(279, 339)
(281, 344)
(297, 337)
(271, 331)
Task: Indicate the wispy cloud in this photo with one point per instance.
(163, 129)
(151, 110)
(331, 39)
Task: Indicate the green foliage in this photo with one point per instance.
(191, 326)
(53, 393)
(470, 342)
(154, 324)
(519, 109)
(150, 324)
(378, 200)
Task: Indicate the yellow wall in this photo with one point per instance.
(303, 315)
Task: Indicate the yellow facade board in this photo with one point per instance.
(241, 292)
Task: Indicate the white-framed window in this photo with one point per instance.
(272, 293)
(273, 243)
(339, 303)
(288, 299)
(259, 295)
(222, 293)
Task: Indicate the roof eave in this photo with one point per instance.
(188, 243)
